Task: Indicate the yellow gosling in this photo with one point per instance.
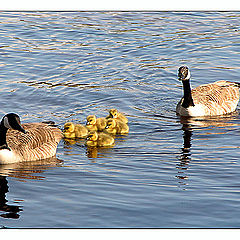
(96, 124)
(114, 113)
(99, 139)
(72, 130)
(116, 127)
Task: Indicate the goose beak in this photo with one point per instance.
(19, 128)
(180, 76)
(22, 130)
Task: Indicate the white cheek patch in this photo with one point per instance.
(188, 75)
(6, 123)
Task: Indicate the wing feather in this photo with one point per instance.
(39, 142)
(218, 98)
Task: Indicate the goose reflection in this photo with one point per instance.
(10, 211)
(206, 124)
(21, 171)
(185, 156)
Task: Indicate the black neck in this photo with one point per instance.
(3, 133)
(187, 95)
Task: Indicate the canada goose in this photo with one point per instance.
(96, 124)
(211, 99)
(99, 139)
(116, 127)
(26, 142)
(114, 113)
(72, 130)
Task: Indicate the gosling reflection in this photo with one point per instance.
(69, 143)
(92, 152)
(72, 145)
(10, 211)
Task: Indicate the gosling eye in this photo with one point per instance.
(66, 128)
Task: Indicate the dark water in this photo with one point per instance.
(167, 172)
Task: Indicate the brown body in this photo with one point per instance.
(216, 98)
(39, 142)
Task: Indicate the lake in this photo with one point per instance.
(168, 172)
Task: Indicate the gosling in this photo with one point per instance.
(99, 139)
(72, 130)
(116, 127)
(96, 124)
(114, 113)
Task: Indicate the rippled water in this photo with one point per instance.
(167, 172)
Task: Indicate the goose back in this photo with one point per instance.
(216, 98)
(39, 142)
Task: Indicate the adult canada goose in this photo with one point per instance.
(116, 127)
(99, 139)
(114, 113)
(96, 124)
(26, 142)
(211, 99)
(72, 130)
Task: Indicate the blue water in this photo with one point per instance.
(167, 172)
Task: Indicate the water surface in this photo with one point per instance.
(167, 172)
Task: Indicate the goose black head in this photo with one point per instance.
(183, 73)
(12, 120)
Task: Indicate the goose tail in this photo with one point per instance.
(50, 123)
(237, 84)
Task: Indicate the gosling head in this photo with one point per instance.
(111, 123)
(91, 119)
(183, 73)
(92, 136)
(12, 120)
(69, 127)
(113, 113)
